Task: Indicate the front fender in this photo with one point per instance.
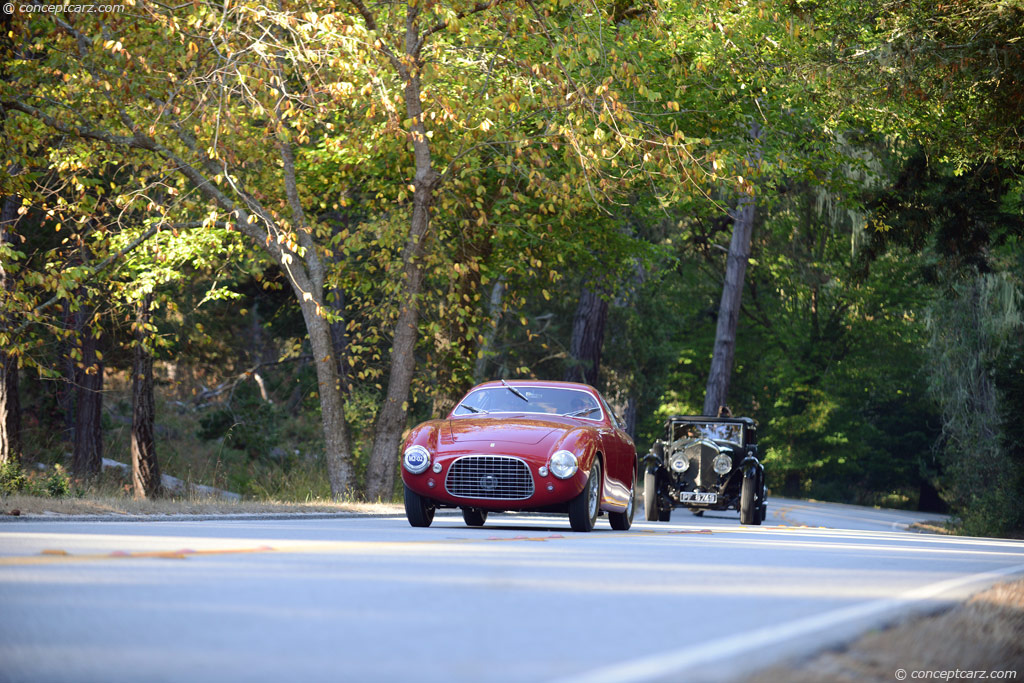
(751, 463)
(656, 458)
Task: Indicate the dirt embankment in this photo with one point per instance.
(982, 639)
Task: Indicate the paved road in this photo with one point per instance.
(522, 599)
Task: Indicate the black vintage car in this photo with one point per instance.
(705, 463)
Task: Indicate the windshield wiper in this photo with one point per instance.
(514, 390)
(471, 408)
(581, 413)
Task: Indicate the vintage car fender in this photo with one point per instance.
(751, 462)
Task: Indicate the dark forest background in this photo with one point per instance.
(249, 247)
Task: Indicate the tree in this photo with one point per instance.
(145, 468)
(587, 340)
(183, 92)
(10, 409)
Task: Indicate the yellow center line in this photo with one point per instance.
(51, 556)
(57, 556)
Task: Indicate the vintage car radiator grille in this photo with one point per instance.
(701, 457)
(489, 477)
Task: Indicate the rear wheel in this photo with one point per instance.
(621, 521)
(583, 508)
(474, 516)
(418, 509)
(750, 512)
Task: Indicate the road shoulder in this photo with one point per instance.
(983, 634)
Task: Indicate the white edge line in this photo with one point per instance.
(661, 665)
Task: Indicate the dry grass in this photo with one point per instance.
(34, 505)
(984, 634)
(930, 528)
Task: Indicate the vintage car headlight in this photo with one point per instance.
(680, 464)
(722, 463)
(416, 459)
(563, 464)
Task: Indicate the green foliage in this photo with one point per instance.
(971, 331)
(578, 145)
(247, 423)
(56, 483)
(12, 478)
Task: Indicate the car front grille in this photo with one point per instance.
(700, 472)
(489, 477)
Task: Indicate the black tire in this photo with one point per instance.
(764, 511)
(650, 496)
(750, 511)
(474, 516)
(584, 508)
(418, 510)
(621, 521)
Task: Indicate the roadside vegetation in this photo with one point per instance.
(249, 247)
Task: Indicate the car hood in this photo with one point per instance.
(519, 430)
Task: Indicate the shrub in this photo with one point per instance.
(57, 484)
(12, 478)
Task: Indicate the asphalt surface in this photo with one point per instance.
(521, 599)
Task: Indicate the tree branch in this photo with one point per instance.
(440, 26)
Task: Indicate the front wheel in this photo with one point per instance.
(474, 516)
(584, 507)
(650, 496)
(750, 512)
(418, 510)
(621, 521)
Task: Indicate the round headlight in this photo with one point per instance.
(722, 463)
(563, 464)
(680, 464)
(416, 459)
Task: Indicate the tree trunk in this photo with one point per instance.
(587, 338)
(630, 416)
(486, 348)
(10, 408)
(720, 373)
(145, 468)
(729, 309)
(337, 444)
(87, 455)
(380, 471)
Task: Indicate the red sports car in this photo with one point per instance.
(523, 445)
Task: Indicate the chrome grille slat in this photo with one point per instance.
(489, 477)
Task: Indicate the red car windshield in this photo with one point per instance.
(534, 400)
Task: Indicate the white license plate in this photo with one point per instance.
(698, 497)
